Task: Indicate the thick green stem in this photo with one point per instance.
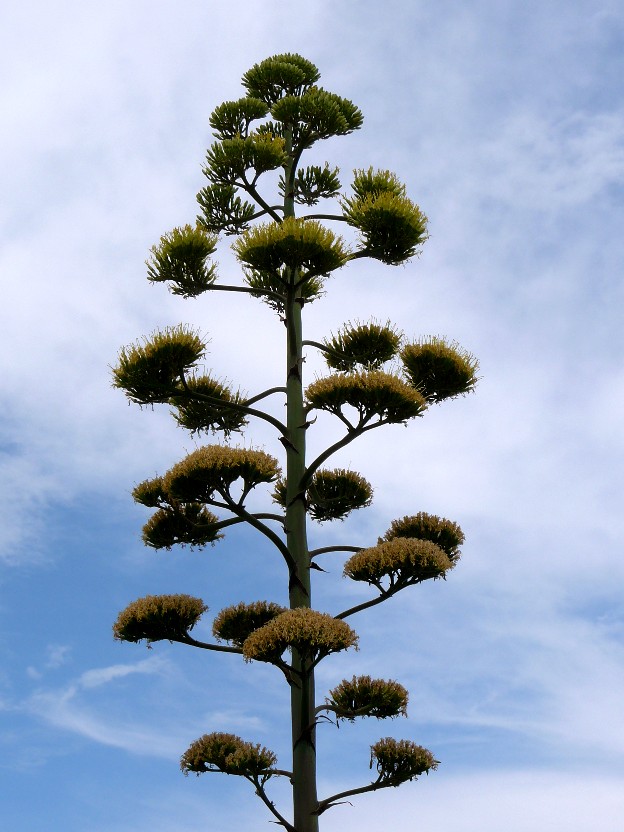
(305, 801)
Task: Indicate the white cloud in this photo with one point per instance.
(61, 709)
(103, 675)
(57, 655)
(65, 708)
(238, 721)
(496, 130)
(489, 801)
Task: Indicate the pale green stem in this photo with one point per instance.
(305, 801)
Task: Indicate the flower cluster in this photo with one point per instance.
(444, 533)
(150, 372)
(236, 623)
(400, 760)
(229, 754)
(363, 696)
(158, 617)
(372, 394)
(215, 468)
(440, 370)
(332, 494)
(391, 225)
(313, 634)
(180, 260)
(304, 247)
(366, 345)
(404, 560)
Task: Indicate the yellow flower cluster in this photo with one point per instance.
(444, 533)
(158, 617)
(214, 468)
(236, 623)
(180, 259)
(400, 760)
(372, 394)
(150, 372)
(440, 370)
(229, 754)
(405, 560)
(363, 696)
(313, 634)
(300, 245)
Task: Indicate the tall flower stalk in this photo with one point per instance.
(375, 377)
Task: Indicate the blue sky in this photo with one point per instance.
(505, 120)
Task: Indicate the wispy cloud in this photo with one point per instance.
(506, 125)
(62, 709)
(489, 801)
(67, 709)
(104, 675)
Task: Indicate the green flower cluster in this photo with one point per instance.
(366, 345)
(390, 224)
(159, 370)
(180, 259)
(280, 76)
(303, 247)
(312, 184)
(232, 118)
(439, 370)
(228, 161)
(151, 372)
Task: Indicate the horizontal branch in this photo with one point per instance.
(238, 408)
(219, 287)
(264, 394)
(205, 646)
(337, 217)
(384, 595)
(316, 344)
(266, 211)
(331, 801)
(366, 604)
(232, 521)
(324, 549)
(281, 773)
(340, 712)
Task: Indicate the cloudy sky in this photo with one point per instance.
(505, 120)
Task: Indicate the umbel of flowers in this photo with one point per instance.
(375, 376)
